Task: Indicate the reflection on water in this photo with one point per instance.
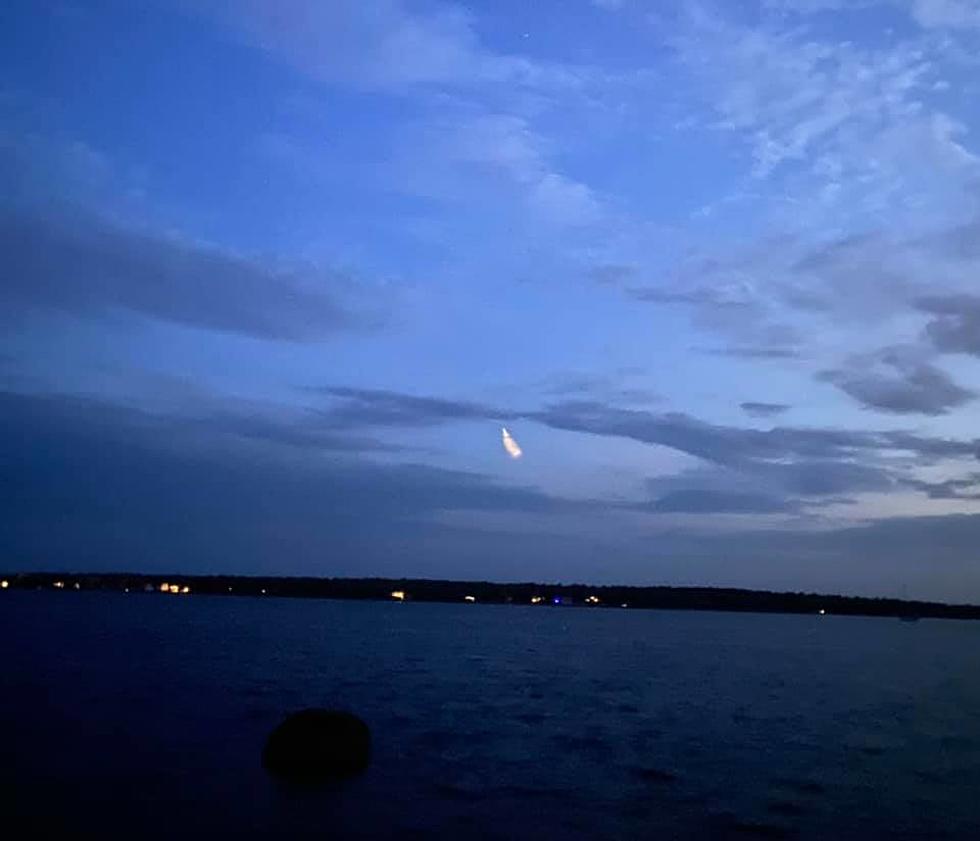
(146, 714)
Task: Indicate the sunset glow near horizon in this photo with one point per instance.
(276, 272)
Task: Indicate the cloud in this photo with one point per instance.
(506, 144)
(755, 352)
(827, 477)
(103, 484)
(360, 407)
(383, 45)
(956, 326)
(715, 443)
(598, 386)
(951, 14)
(967, 487)
(794, 97)
(764, 410)
(90, 266)
(894, 381)
(840, 134)
(700, 501)
(933, 555)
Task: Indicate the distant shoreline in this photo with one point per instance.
(487, 592)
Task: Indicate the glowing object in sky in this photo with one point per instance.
(512, 447)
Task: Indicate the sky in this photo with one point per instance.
(275, 274)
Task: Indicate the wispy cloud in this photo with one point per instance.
(796, 99)
(385, 44)
(954, 14)
(505, 145)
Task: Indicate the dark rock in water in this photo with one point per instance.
(318, 744)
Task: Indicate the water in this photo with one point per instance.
(146, 715)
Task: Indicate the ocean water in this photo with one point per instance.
(146, 715)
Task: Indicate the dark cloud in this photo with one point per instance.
(966, 487)
(378, 408)
(792, 468)
(716, 443)
(933, 554)
(742, 352)
(599, 386)
(724, 445)
(956, 326)
(705, 501)
(697, 297)
(90, 266)
(822, 477)
(929, 449)
(91, 483)
(892, 382)
(771, 486)
(764, 410)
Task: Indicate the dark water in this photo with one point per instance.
(146, 714)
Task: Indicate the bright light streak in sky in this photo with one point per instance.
(512, 447)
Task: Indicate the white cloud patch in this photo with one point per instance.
(383, 44)
(955, 14)
(794, 97)
(505, 150)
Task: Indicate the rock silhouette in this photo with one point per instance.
(318, 744)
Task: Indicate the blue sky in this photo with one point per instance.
(276, 274)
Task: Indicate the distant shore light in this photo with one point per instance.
(185, 589)
(398, 595)
(537, 599)
(4, 585)
(469, 598)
